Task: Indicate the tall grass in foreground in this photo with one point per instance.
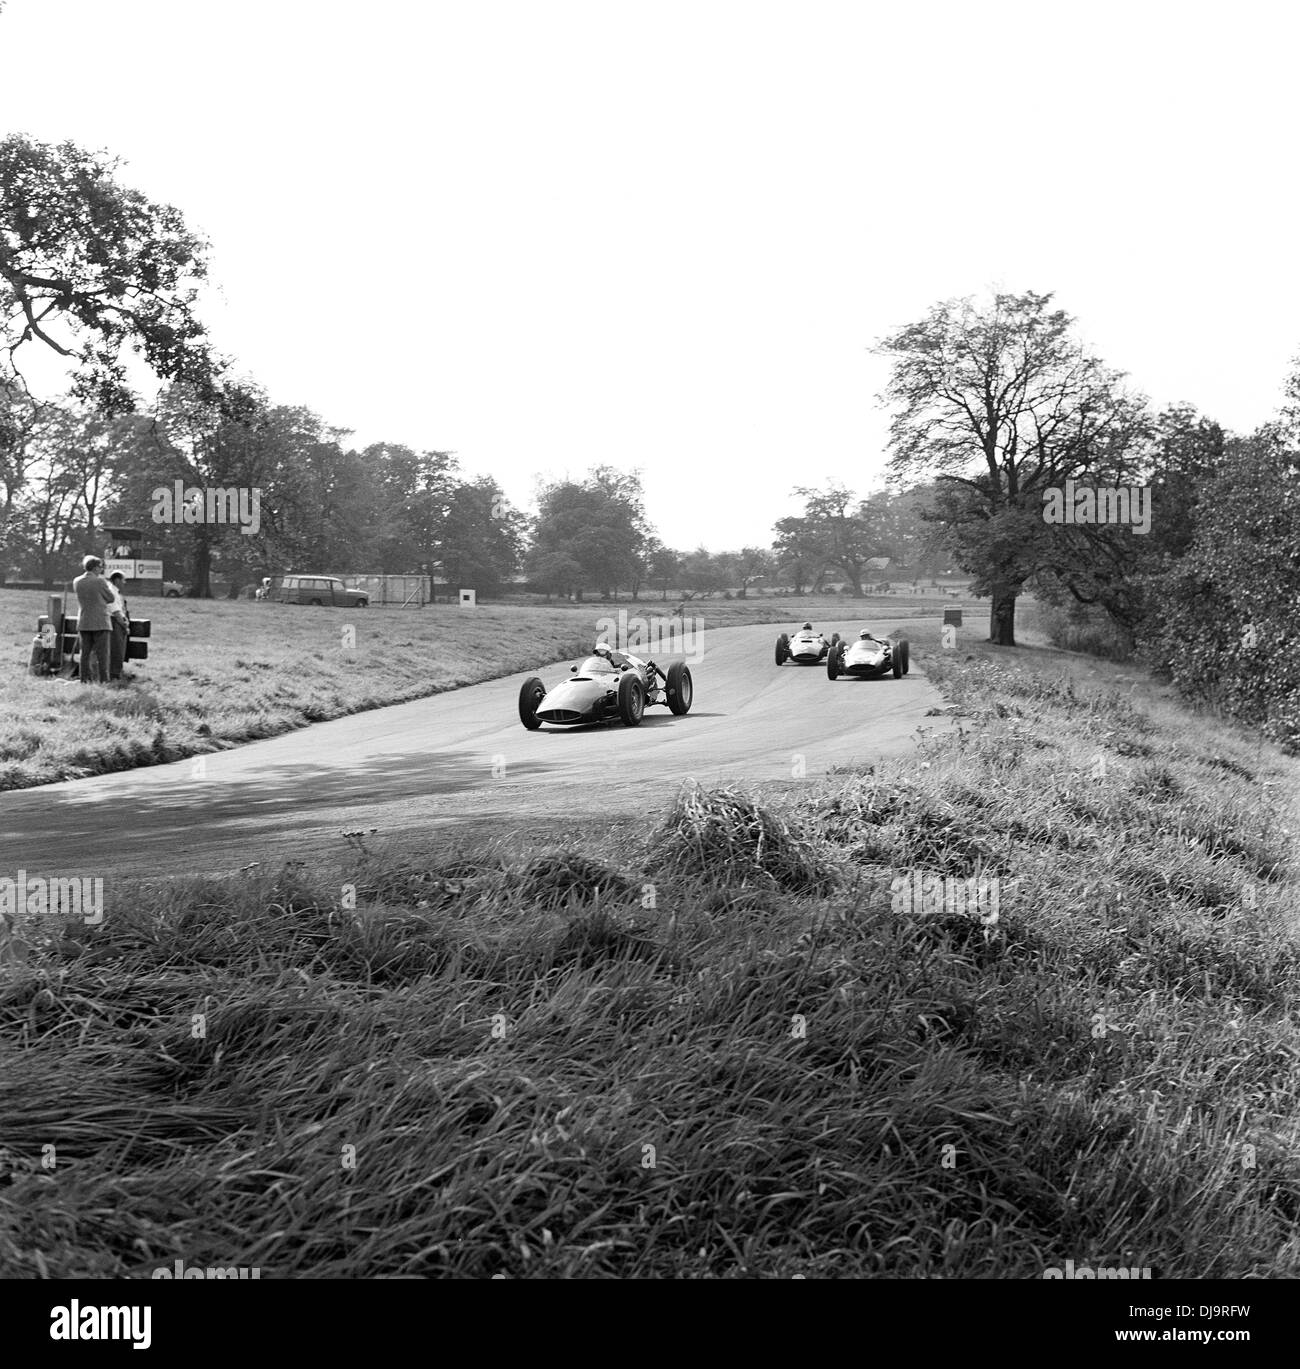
(719, 1051)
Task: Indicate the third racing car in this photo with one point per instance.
(868, 657)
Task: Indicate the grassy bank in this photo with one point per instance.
(716, 1049)
(224, 672)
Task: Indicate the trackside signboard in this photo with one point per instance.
(134, 570)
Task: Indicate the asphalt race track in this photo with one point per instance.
(462, 759)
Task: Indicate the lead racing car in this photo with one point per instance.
(608, 685)
(868, 657)
(805, 647)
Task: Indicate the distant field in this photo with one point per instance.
(222, 672)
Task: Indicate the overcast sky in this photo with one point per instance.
(548, 235)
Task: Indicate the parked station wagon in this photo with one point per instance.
(318, 589)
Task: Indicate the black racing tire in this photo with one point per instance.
(631, 699)
(834, 662)
(531, 693)
(782, 649)
(904, 651)
(680, 688)
(896, 662)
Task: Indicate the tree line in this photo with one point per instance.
(68, 471)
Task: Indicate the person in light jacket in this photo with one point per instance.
(93, 622)
(121, 629)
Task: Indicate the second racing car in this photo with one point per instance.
(805, 647)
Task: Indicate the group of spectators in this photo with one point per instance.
(103, 622)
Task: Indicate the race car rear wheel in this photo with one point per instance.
(531, 693)
(896, 661)
(902, 651)
(679, 687)
(631, 699)
(834, 662)
(782, 649)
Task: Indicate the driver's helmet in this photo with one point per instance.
(807, 627)
(602, 649)
(864, 635)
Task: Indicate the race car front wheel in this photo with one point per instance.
(631, 699)
(903, 653)
(782, 649)
(833, 663)
(679, 688)
(531, 693)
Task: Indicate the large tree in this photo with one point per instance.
(56, 482)
(661, 565)
(599, 525)
(702, 572)
(89, 267)
(480, 544)
(237, 442)
(411, 495)
(836, 524)
(798, 551)
(1000, 401)
(750, 565)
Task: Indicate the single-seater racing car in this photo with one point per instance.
(804, 647)
(868, 657)
(607, 685)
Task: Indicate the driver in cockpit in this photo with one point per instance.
(624, 660)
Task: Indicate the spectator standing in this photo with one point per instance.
(121, 626)
(93, 622)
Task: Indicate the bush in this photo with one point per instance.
(1223, 626)
(1084, 628)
